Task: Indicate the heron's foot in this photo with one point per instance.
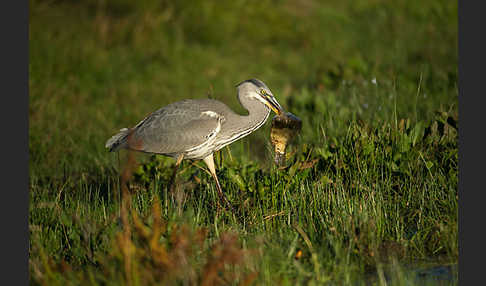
(174, 174)
(225, 202)
(172, 187)
(237, 212)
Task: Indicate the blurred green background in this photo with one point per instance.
(98, 66)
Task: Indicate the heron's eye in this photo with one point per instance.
(263, 92)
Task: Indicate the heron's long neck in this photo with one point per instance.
(241, 125)
(257, 113)
(238, 126)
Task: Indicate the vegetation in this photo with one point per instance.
(369, 192)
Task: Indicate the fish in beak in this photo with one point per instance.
(271, 102)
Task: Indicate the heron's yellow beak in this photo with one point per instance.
(273, 104)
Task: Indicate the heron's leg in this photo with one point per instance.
(174, 174)
(210, 163)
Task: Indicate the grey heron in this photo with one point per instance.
(196, 128)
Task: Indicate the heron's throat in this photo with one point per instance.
(239, 126)
(258, 113)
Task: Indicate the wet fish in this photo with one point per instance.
(285, 127)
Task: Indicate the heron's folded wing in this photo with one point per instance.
(173, 131)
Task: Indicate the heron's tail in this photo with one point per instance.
(118, 140)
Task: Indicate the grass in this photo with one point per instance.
(369, 193)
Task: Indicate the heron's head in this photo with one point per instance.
(254, 88)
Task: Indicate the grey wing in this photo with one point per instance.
(174, 129)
